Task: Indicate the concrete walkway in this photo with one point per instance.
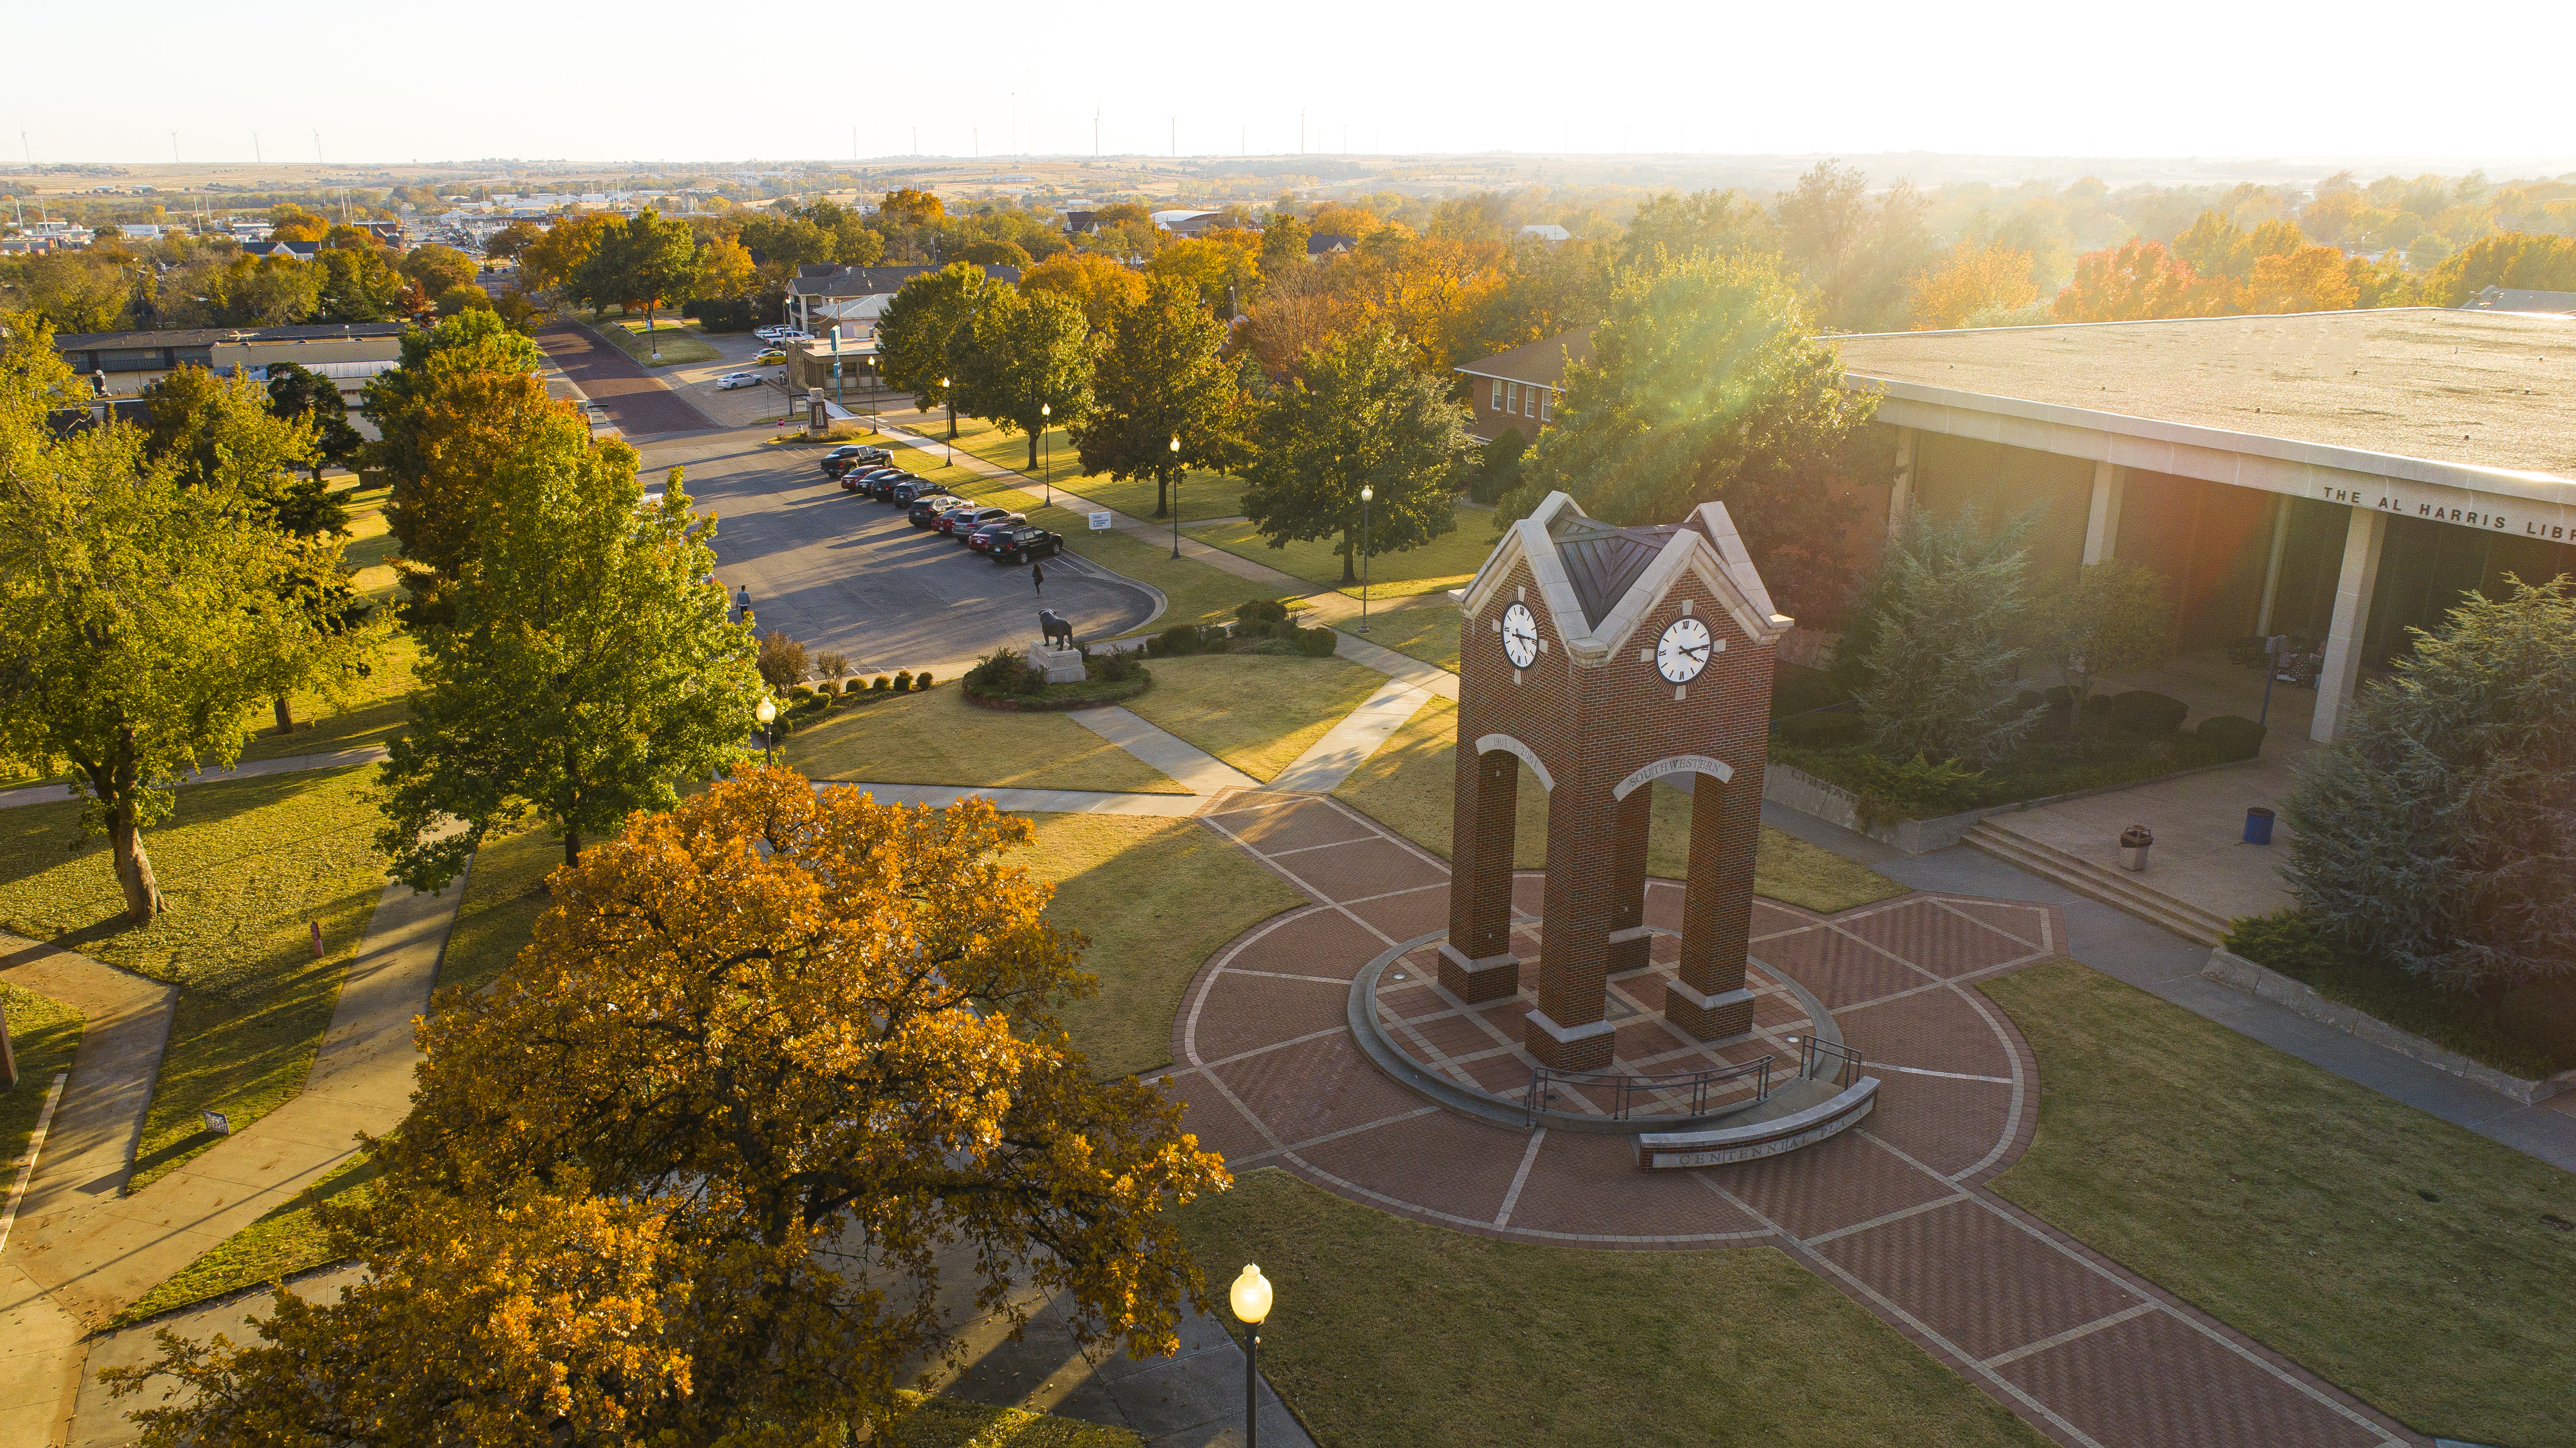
(1197, 770)
(1027, 801)
(1347, 745)
(283, 764)
(87, 1157)
(97, 1261)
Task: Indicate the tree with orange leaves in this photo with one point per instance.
(690, 1172)
(2139, 280)
(1975, 277)
(2308, 279)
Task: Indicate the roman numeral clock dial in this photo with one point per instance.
(1683, 650)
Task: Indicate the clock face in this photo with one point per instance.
(1520, 636)
(1683, 650)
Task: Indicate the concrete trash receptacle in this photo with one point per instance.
(2134, 842)
(2258, 825)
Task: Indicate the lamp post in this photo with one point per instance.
(1176, 495)
(1046, 442)
(767, 714)
(951, 399)
(1250, 1295)
(1366, 493)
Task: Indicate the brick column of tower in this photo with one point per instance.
(1568, 1030)
(1629, 941)
(1710, 1002)
(1476, 961)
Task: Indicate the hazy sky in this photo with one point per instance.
(652, 79)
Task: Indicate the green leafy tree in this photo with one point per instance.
(589, 667)
(779, 1078)
(1163, 376)
(140, 616)
(76, 291)
(2438, 828)
(1951, 598)
(2113, 618)
(2517, 260)
(264, 291)
(436, 268)
(467, 392)
(1024, 351)
(1283, 247)
(1673, 228)
(1355, 416)
(220, 432)
(356, 284)
(509, 241)
(1706, 383)
(1853, 250)
(300, 394)
(926, 315)
(648, 262)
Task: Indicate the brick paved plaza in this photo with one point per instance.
(1895, 1213)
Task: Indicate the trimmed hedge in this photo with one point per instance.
(2144, 711)
(2233, 735)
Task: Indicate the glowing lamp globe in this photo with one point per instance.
(1251, 1296)
(767, 712)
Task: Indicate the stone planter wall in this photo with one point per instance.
(2238, 973)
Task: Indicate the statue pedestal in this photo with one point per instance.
(1061, 666)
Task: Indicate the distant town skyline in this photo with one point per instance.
(565, 82)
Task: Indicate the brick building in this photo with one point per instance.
(1518, 390)
(1597, 660)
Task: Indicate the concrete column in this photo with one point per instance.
(2363, 536)
(1900, 497)
(1476, 961)
(2102, 520)
(1709, 1002)
(1630, 945)
(2272, 569)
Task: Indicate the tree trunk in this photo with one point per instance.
(1350, 555)
(1162, 494)
(1033, 448)
(285, 716)
(572, 847)
(133, 866)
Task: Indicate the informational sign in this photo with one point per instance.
(218, 1123)
(1100, 522)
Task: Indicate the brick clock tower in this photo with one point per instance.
(1595, 660)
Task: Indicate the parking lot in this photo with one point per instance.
(849, 576)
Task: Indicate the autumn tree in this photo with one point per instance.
(1356, 416)
(1162, 376)
(75, 291)
(2309, 279)
(1224, 266)
(1099, 286)
(2137, 280)
(725, 270)
(2515, 260)
(436, 267)
(1974, 277)
(140, 615)
(1024, 352)
(597, 620)
(926, 315)
(1853, 250)
(551, 261)
(1708, 384)
(779, 1076)
(2111, 618)
(466, 392)
(512, 239)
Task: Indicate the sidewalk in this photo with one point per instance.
(283, 764)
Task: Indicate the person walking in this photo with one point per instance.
(1037, 578)
(741, 603)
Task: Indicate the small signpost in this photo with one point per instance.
(1100, 522)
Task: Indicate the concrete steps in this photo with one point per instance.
(2117, 888)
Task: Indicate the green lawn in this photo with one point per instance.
(288, 1239)
(245, 865)
(2412, 1262)
(680, 342)
(1203, 495)
(44, 1035)
(1410, 783)
(1425, 628)
(934, 1422)
(939, 738)
(1256, 712)
(1394, 1334)
(1445, 562)
(1157, 897)
(374, 710)
(505, 892)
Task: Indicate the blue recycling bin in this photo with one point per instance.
(2258, 826)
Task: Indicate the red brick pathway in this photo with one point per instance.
(1896, 1212)
(625, 389)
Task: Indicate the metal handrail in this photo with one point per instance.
(1847, 1062)
(1626, 1085)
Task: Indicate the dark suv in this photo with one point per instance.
(912, 490)
(961, 523)
(881, 487)
(856, 479)
(1021, 542)
(924, 512)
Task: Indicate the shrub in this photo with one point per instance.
(1261, 610)
(2541, 1014)
(781, 661)
(2144, 711)
(1914, 790)
(2233, 736)
(1317, 643)
(921, 681)
(1823, 730)
(2287, 940)
(1003, 671)
(903, 682)
(1112, 667)
(1498, 466)
(833, 667)
(881, 684)
(1180, 638)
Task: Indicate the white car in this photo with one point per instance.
(732, 380)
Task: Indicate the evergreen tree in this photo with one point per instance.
(1939, 660)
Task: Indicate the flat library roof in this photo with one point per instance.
(2475, 389)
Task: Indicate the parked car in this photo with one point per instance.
(964, 528)
(732, 380)
(917, 489)
(982, 538)
(924, 512)
(772, 354)
(842, 461)
(955, 514)
(882, 486)
(856, 480)
(1021, 542)
(770, 332)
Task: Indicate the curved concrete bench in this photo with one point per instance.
(1803, 1117)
